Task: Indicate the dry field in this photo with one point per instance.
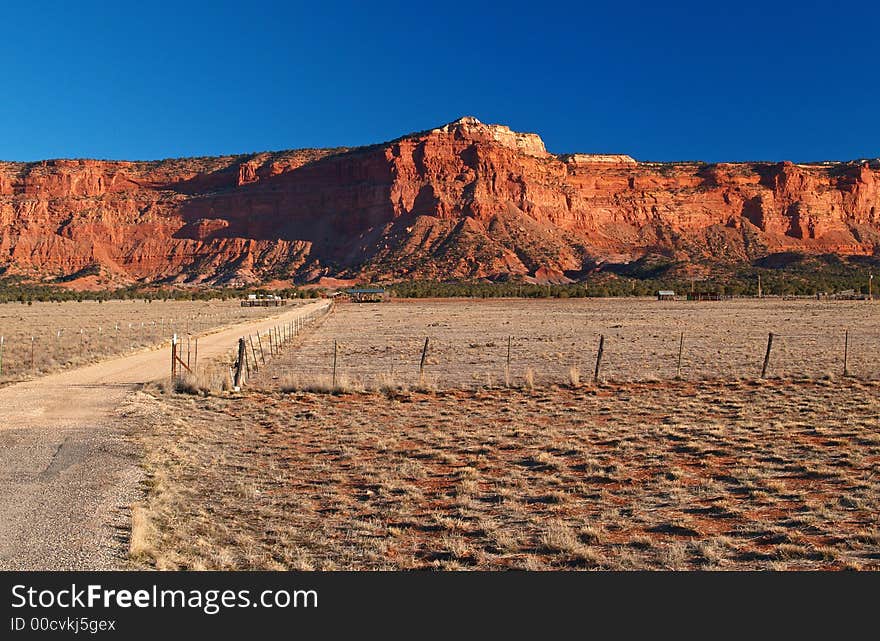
(71, 333)
(779, 474)
(468, 341)
(467, 470)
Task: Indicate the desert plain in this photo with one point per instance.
(471, 464)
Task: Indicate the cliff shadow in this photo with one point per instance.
(330, 202)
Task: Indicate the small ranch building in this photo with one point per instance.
(367, 294)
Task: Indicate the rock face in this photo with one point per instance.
(465, 200)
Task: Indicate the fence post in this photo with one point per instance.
(335, 349)
(424, 354)
(599, 357)
(173, 357)
(2, 340)
(767, 355)
(507, 368)
(253, 351)
(239, 365)
(196, 356)
(846, 353)
(271, 343)
(260, 343)
(32, 353)
(680, 349)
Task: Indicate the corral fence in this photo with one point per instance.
(597, 357)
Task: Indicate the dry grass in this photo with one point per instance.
(143, 534)
(208, 379)
(71, 334)
(777, 474)
(321, 385)
(553, 338)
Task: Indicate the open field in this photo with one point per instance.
(779, 474)
(76, 333)
(468, 341)
(470, 469)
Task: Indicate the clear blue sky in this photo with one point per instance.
(658, 80)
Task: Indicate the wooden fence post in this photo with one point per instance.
(2, 340)
(335, 349)
(507, 368)
(239, 365)
(271, 343)
(846, 353)
(196, 356)
(767, 355)
(173, 358)
(680, 349)
(260, 343)
(599, 357)
(253, 351)
(422, 362)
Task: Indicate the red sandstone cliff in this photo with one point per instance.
(464, 200)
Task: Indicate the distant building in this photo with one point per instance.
(263, 300)
(367, 294)
(705, 296)
(666, 294)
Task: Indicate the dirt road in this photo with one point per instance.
(68, 471)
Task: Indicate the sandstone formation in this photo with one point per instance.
(466, 200)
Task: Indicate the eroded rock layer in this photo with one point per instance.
(465, 200)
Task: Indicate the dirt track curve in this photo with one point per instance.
(68, 471)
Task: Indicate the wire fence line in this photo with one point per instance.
(256, 351)
(497, 358)
(38, 348)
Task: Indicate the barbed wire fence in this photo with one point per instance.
(596, 357)
(40, 348)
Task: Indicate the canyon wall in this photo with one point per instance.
(466, 200)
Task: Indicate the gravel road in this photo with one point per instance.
(68, 470)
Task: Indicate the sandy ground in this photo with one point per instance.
(68, 472)
(777, 474)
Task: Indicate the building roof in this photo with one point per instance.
(666, 292)
(366, 290)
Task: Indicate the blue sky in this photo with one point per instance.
(657, 80)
